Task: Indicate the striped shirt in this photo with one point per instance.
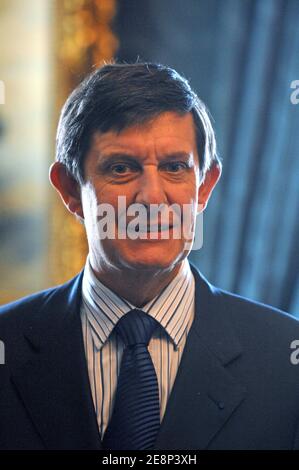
(101, 309)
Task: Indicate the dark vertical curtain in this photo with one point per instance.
(241, 57)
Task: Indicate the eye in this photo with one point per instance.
(121, 168)
(175, 167)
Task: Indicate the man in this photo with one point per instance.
(211, 370)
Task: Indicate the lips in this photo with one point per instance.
(152, 228)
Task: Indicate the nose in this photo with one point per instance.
(151, 189)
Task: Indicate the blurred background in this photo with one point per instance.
(242, 58)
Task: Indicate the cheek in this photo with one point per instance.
(186, 194)
(89, 205)
(108, 193)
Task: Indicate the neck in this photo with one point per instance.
(137, 286)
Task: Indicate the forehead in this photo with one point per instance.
(165, 133)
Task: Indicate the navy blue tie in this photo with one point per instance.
(135, 420)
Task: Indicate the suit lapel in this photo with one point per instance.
(52, 378)
(205, 394)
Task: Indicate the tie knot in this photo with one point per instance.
(136, 327)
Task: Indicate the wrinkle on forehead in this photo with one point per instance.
(166, 134)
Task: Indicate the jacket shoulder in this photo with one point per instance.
(15, 311)
(257, 324)
(256, 312)
(248, 316)
(24, 305)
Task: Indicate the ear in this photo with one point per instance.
(207, 185)
(67, 187)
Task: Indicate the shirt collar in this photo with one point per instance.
(172, 308)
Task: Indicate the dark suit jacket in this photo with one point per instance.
(235, 389)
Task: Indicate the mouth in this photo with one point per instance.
(153, 228)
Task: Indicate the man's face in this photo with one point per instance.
(152, 164)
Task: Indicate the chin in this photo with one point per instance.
(152, 257)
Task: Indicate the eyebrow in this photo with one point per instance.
(131, 158)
